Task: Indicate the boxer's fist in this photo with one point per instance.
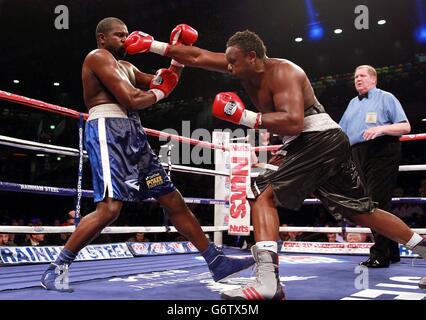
(163, 83)
(229, 107)
(140, 42)
(183, 34)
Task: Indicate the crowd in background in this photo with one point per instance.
(406, 81)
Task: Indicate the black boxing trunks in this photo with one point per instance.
(317, 163)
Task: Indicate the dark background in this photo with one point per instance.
(36, 53)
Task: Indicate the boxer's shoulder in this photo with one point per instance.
(97, 55)
(130, 68)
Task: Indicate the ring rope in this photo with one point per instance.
(31, 145)
(17, 187)
(115, 230)
(37, 146)
(58, 191)
(75, 114)
(109, 230)
(408, 137)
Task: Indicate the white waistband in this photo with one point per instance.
(316, 122)
(107, 110)
(319, 122)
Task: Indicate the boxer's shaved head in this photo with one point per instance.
(106, 25)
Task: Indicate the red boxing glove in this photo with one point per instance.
(140, 42)
(229, 107)
(163, 83)
(183, 34)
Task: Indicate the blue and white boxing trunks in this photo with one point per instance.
(124, 167)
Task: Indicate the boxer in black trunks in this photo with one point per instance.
(315, 158)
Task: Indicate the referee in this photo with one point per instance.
(374, 121)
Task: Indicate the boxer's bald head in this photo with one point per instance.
(106, 25)
(111, 33)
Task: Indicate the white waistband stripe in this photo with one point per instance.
(108, 110)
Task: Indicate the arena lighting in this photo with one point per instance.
(338, 31)
(315, 30)
(420, 34)
(381, 22)
(299, 39)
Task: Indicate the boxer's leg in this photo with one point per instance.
(221, 266)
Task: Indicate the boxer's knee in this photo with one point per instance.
(174, 203)
(108, 211)
(266, 198)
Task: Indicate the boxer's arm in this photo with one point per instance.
(198, 58)
(287, 90)
(142, 79)
(105, 67)
(176, 69)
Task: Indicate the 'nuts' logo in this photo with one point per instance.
(230, 108)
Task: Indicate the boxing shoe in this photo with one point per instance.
(222, 267)
(374, 263)
(395, 260)
(422, 283)
(420, 249)
(267, 284)
(56, 278)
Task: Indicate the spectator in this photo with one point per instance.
(5, 241)
(408, 212)
(138, 237)
(290, 236)
(356, 237)
(334, 236)
(35, 240)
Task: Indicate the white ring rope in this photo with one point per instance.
(31, 145)
(108, 230)
(207, 172)
(118, 230)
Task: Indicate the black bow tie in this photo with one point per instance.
(362, 96)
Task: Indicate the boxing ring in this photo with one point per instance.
(164, 271)
(186, 277)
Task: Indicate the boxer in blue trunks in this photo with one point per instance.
(123, 165)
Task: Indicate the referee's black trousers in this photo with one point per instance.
(378, 161)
